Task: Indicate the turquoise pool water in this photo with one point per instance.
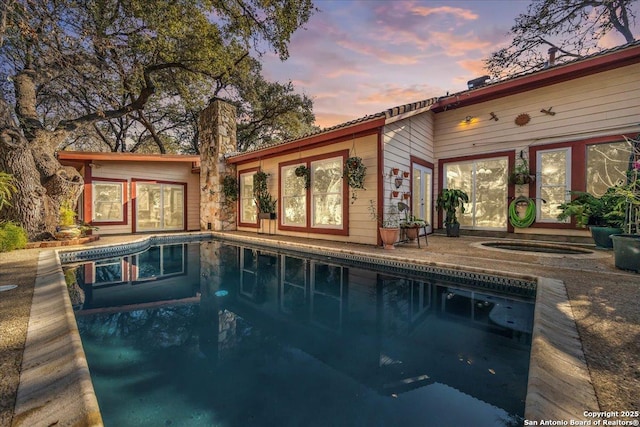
(218, 334)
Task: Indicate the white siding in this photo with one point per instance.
(362, 228)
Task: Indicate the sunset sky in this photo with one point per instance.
(361, 57)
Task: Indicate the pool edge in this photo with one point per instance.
(559, 383)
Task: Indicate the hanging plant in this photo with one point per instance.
(355, 172)
(303, 171)
(264, 201)
(230, 188)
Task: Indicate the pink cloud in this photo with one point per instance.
(385, 56)
(465, 14)
(394, 95)
(324, 119)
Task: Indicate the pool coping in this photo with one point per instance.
(55, 372)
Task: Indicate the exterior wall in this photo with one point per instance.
(179, 172)
(404, 139)
(362, 228)
(599, 105)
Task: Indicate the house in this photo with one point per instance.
(567, 123)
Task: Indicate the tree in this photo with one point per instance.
(572, 27)
(117, 57)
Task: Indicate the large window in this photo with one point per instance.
(294, 197)
(485, 181)
(554, 182)
(159, 206)
(313, 199)
(107, 203)
(606, 166)
(248, 211)
(326, 195)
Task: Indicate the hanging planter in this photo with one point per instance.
(398, 182)
(230, 188)
(406, 196)
(395, 193)
(395, 171)
(355, 172)
(303, 171)
(405, 174)
(520, 175)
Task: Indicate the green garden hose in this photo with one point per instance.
(529, 216)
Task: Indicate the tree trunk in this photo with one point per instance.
(42, 183)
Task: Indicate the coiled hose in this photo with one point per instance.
(529, 215)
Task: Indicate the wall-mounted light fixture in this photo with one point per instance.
(468, 119)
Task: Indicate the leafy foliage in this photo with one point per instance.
(574, 27)
(12, 236)
(7, 189)
(450, 200)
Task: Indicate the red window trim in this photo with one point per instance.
(239, 206)
(511, 159)
(344, 231)
(578, 169)
(134, 187)
(88, 204)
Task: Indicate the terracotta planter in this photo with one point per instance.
(389, 237)
(411, 233)
(395, 193)
(405, 174)
(406, 196)
(395, 171)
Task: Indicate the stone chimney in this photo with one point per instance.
(217, 129)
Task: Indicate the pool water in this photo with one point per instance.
(215, 334)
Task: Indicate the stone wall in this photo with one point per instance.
(217, 128)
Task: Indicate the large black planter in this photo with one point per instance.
(453, 230)
(601, 236)
(626, 251)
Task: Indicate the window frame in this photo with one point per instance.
(343, 229)
(578, 162)
(241, 222)
(539, 186)
(123, 202)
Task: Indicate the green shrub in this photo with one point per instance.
(12, 236)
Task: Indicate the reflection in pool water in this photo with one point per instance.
(213, 334)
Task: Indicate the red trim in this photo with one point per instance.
(245, 224)
(126, 157)
(556, 74)
(134, 185)
(578, 170)
(88, 201)
(380, 198)
(510, 155)
(344, 231)
(343, 134)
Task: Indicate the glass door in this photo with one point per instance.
(422, 196)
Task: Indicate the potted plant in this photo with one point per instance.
(450, 200)
(355, 172)
(412, 225)
(67, 227)
(626, 247)
(265, 202)
(230, 188)
(603, 215)
(520, 175)
(388, 225)
(303, 171)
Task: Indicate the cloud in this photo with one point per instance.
(457, 12)
(326, 119)
(474, 66)
(383, 55)
(393, 95)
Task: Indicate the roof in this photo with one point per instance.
(126, 157)
(598, 62)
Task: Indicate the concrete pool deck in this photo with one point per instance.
(55, 386)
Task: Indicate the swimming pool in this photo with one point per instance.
(214, 333)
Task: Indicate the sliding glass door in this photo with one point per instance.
(159, 206)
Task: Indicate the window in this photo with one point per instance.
(606, 166)
(554, 183)
(159, 261)
(326, 193)
(159, 206)
(248, 211)
(107, 203)
(107, 271)
(294, 197)
(485, 181)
